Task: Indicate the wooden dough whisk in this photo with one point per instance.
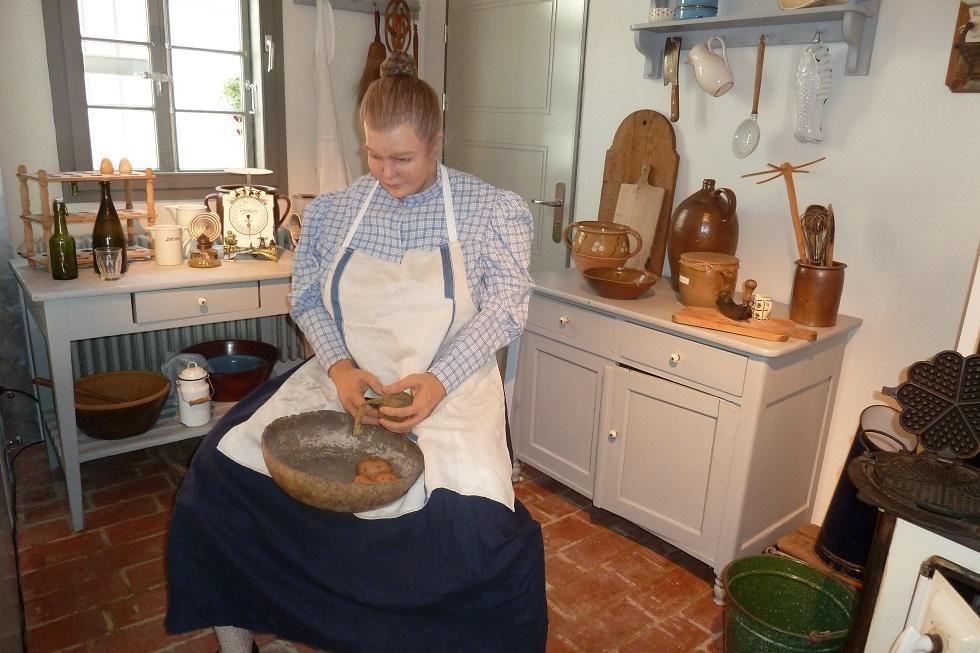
(786, 171)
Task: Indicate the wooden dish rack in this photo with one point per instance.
(46, 219)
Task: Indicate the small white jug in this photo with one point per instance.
(194, 395)
(711, 70)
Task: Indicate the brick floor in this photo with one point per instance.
(612, 587)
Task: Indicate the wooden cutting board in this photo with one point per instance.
(775, 329)
(638, 206)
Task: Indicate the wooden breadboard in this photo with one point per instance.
(644, 137)
(774, 329)
(638, 206)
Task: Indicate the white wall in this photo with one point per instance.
(901, 171)
(901, 168)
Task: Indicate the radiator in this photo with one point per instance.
(149, 350)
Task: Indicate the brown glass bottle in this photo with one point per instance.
(61, 246)
(108, 230)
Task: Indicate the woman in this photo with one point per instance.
(410, 279)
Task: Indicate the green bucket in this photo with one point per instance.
(776, 604)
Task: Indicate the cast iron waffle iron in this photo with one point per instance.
(940, 404)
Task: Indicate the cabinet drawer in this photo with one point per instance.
(702, 364)
(588, 328)
(180, 303)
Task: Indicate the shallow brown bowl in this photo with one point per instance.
(232, 383)
(139, 396)
(619, 283)
(312, 456)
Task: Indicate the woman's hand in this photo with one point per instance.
(426, 390)
(351, 383)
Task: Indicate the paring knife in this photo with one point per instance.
(672, 52)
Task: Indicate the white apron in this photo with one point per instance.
(395, 319)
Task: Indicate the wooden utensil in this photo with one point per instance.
(774, 329)
(375, 57)
(398, 26)
(638, 206)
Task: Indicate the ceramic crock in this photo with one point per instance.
(705, 274)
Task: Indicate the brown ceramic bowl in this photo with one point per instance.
(139, 396)
(236, 367)
(312, 457)
(619, 283)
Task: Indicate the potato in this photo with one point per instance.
(364, 479)
(372, 466)
(385, 477)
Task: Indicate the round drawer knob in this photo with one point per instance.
(613, 434)
(675, 359)
(563, 320)
(202, 301)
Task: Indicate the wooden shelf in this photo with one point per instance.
(43, 179)
(852, 23)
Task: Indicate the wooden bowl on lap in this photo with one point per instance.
(619, 283)
(312, 457)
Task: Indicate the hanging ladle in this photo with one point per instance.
(747, 134)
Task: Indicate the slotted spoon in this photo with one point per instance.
(747, 134)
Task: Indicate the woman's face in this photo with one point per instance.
(400, 160)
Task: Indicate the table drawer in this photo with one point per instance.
(708, 366)
(579, 324)
(180, 303)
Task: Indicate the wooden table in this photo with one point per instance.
(147, 298)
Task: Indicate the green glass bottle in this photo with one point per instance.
(61, 246)
(108, 230)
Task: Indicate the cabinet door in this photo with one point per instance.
(556, 409)
(664, 457)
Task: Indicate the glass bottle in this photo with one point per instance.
(108, 230)
(61, 246)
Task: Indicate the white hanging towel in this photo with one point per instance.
(331, 165)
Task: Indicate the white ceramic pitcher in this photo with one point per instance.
(711, 70)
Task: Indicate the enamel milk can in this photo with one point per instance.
(194, 395)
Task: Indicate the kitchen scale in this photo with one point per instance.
(248, 219)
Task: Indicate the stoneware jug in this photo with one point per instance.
(704, 222)
(711, 70)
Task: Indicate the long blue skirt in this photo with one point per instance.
(464, 574)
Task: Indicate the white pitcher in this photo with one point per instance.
(711, 70)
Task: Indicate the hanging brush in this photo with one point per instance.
(375, 57)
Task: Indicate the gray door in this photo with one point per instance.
(513, 83)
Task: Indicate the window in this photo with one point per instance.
(186, 87)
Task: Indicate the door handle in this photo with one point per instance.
(558, 204)
(270, 47)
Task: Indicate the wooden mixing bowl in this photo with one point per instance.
(312, 456)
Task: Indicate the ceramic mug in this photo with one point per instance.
(711, 70)
(168, 244)
(183, 214)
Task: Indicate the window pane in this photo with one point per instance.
(124, 20)
(118, 133)
(208, 141)
(211, 24)
(111, 71)
(207, 81)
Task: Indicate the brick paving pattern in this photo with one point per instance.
(612, 587)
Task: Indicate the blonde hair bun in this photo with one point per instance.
(398, 64)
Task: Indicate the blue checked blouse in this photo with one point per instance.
(495, 232)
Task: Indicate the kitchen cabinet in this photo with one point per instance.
(852, 23)
(709, 440)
